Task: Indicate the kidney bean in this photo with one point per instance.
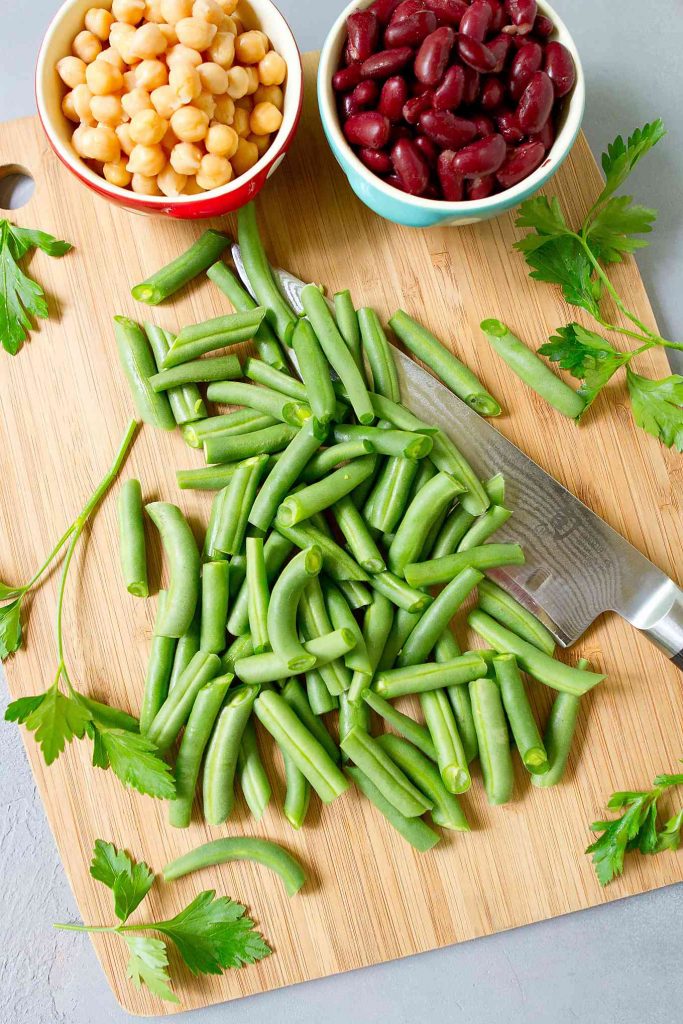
(508, 126)
(432, 57)
(396, 182)
(375, 160)
(481, 188)
(383, 9)
(451, 183)
(392, 97)
(543, 26)
(477, 55)
(347, 53)
(523, 14)
(527, 60)
(560, 68)
(400, 131)
(449, 12)
(500, 47)
(363, 32)
(446, 129)
(546, 136)
(482, 157)
(497, 15)
(365, 94)
(411, 30)
(492, 93)
(472, 86)
(346, 78)
(483, 124)
(427, 148)
(520, 163)
(416, 105)
(368, 129)
(476, 20)
(536, 103)
(405, 9)
(386, 62)
(348, 106)
(411, 166)
(450, 90)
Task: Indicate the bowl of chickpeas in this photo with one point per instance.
(180, 107)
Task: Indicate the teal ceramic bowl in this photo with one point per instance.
(413, 211)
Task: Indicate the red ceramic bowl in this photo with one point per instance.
(49, 92)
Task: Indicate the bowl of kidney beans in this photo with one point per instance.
(449, 111)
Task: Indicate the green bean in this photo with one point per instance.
(295, 695)
(483, 527)
(352, 715)
(377, 623)
(424, 509)
(446, 649)
(165, 282)
(297, 793)
(186, 648)
(109, 716)
(214, 605)
(241, 647)
(207, 478)
(389, 497)
(341, 616)
(559, 732)
(223, 332)
(532, 370)
(241, 421)
(306, 751)
(315, 622)
(357, 535)
(520, 716)
(379, 355)
(270, 667)
(357, 595)
(454, 528)
(432, 534)
(420, 678)
(137, 363)
(220, 368)
(286, 472)
(446, 811)
(392, 783)
(234, 504)
(399, 416)
(265, 400)
(319, 697)
(258, 594)
(315, 371)
(404, 724)
(347, 321)
(276, 550)
(386, 441)
(251, 773)
(175, 710)
(414, 830)
(441, 570)
(280, 316)
(221, 448)
(403, 625)
(400, 592)
(336, 562)
(275, 380)
(450, 754)
(321, 495)
(493, 740)
(336, 352)
(159, 667)
(186, 402)
(266, 343)
(195, 738)
(538, 664)
(495, 488)
(455, 375)
(181, 550)
(426, 470)
(501, 606)
(222, 754)
(449, 459)
(435, 619)
(221, 851)
(282, 610)
(132, 546)
(331, 458)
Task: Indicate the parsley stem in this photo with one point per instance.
(85, 928)
(55, 551)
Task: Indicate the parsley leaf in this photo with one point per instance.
(10, 628)
(7, 591)
(587, 356)
(130, 882)
(609, 233)
(561, 260)
(621, 157)
(136, 762)
(148, 965)
(21, 709)
(213, 933)
(542, 213)
(56, 721)
(107, 863)
(670, 836)
(20, 240)
(658, 407)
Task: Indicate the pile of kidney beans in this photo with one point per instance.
(451, 99)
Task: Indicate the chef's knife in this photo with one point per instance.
(576, 565)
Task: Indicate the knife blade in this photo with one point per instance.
(577, 566)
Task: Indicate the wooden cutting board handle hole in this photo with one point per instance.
(17, 186)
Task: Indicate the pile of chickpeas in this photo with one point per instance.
(171, 97)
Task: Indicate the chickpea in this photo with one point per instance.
(129, 11)
(264, 119)
(213, 77)
(130, 80)
(136, 100)
(245, 103)
(229, 6)
(165, 101)
(253, 82)
(144, 185)
(262, 143)
(240, 122)
(151, 74)
(180, 54)
(148, 42)
(169, 33)
(227, 24)
(245, 157)
(81, 97)
(107, 110)
(175, 10)
(68, 108)
(86, 46)
(147, 160)
(190, 124)
(116, 174)
(192, 188)
(195, 33)
(272, 69)
(270, 94)
(238, 23)
(214, 171)
(71, 70)
(101, 143)
(113, 57)
(103, 78)
(222, 140)
(153, 12)
(207, 103)
(121, 38)
(123, 135)
(170, 182)
(238, 83)
(225, 110)
(222, 49)
(185, 81)
(185, 158)
(250, 47)
(208, 10)
(147, 128)
(170, 140)
(98, 21)
(77, 139)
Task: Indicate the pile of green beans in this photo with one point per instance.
(336, 514)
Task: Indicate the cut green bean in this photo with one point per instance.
(441, 570)
(449, 459)
(251, 773)
(269, 667)
(192, 746)
(532, 370)
(207, 478)
(315, 622)
(450, 753)
(403, 724)
(175, 710)
(501, 606)
(538, 664)
(221, 448)
(282, 609)
(175, 275)
(222, 754)
(159, 668)
(234, 503)
(186, 402)
(295, 695)
(285, 474)
(446, 811)
(306, 751)
(390, 496)
(520, 716)
(137, 363)
(223, 332)
(357, 595)
(315, 371)
(399, 416)
(352, 715)
(399, 592)
(297, 793)
(265, 400)
(336, 562)
(220, 368)
(241, 647)
(184, 563)
(132, 548)
(331, 458)
(258, 594)
(379, 355)
(321, 495)
(275, 380)
(319, 696)
(241, 421)
(435, 619)
(260, 276)
(414, 830)
(392, 783)
(495, 488)
(347, 321)
(403, 625)
(446, 649)
(430, 676)
(484, 527)
(493, 740)
(186, 648)
(266, 343)
(214, 606)
(425, 508)
(341, 617)
(559, 732)
(386, 441)
(222, 851)
(455, 375)
(454, 528)
(357, 536)
(276, 550)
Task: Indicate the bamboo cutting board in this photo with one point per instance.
(63, 407)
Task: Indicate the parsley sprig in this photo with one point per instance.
(636, 829)
(211, 933)
(57, 717)
(20, 297)
(577, 261)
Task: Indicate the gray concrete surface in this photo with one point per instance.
(620, 963)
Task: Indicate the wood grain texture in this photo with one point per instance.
(63, 407)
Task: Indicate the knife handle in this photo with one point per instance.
(667, 630)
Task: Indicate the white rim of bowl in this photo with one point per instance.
(329, 56)
(294, 84)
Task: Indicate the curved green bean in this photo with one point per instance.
(285, 474)
(446, 811)
(295, 695)
(446, 649)
(282, 610)
(337, 563)
(450, 753)
(165, 282)
(196, 340)
(379, 355)
(266, 343)
(392, 783)
(251, 773)
(133, 551)
(159, 668)
(519, 714)
(260, 276)
(137, 363)
(493, 740)
(192, 746)
(484, 527)
(399, 592)
(347, 321)
(397, 682)
(414, 830)
(222, 851)
(425, 508)
(403, 724)
(186, 648)
(184, 563)
(186, 402)
(175, 710)
(435, 619)
(321, 495)
(214, 606)
(501, 606)
(219, 368)
(222, 752)
(236, 448)
(441, 570)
